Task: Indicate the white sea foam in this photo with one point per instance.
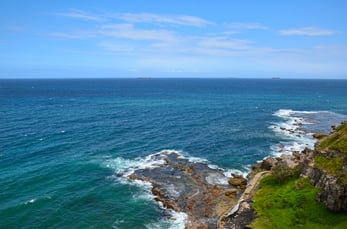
(244, 172)
(125, 167)
(30, 201)
(178, 220)
(296, 138)
(217, 179)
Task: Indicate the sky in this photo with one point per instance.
(173, 38)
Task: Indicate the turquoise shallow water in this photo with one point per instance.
(63, 142)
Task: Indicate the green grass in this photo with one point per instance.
(335, 157)
(336, 141)
(292, 204)
(331, 165)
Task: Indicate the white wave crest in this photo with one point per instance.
(297, 139)
(125, 167)
(178, 220)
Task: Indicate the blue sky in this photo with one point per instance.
(173, 38)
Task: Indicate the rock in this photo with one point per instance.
(331, 183)
(296, 155)
(318, 135)
(231, 193)
(132, 177)
(268, 163)
(190, 187)
(171, 205)
(157, 192)
(237, 181)
(289, 160)
(332, 193)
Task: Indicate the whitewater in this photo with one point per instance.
(67, 146)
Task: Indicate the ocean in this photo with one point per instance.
(67, 144)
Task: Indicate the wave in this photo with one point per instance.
(297, 127)
(125, 167)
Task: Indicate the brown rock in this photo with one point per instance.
(157, 192)
(237, 181)
(132, 177)
(216, 190)
(296, 155)
(170, 205)
(236, 175)
(318, 135)
(231, 193)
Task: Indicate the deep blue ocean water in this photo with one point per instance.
(63, 142)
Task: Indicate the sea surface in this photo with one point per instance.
(65, 145)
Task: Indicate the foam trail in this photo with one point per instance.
(297, 127)
(124, 168)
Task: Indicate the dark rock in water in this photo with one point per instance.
(203, 193)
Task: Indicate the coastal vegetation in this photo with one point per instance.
(292, 204)
(333, 153)
(288, 198)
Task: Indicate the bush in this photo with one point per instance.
(282, 172)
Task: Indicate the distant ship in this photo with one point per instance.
(276, 78)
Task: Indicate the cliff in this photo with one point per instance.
(288, 186)
(327, 169)
(295, 185)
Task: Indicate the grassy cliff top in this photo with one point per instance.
(336, 141)
(292, 204)
(332, 156)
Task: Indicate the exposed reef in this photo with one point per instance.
(203, 193)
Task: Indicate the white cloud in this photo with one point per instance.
(80, 14)
(247, 26)
(72, 35)
(224, 43)
(184, 20)
(128, 31)
(307, 31)
(115, 47)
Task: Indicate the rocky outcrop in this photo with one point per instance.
(203, 193)
(332, 192)
(238, 181)
(326, 166)
(319, 135)
(242, 214)
(195, 188)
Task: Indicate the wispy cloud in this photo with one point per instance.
(128, 31)
(82, 15)
(73, 35)
(116, 47)
(180, 20)
(307, 31)
(183, 20)
(224, 43)
(247, 26)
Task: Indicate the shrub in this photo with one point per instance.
(282, 172)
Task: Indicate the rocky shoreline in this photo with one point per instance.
(212, 200)
(203, 193)
(333, 189)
